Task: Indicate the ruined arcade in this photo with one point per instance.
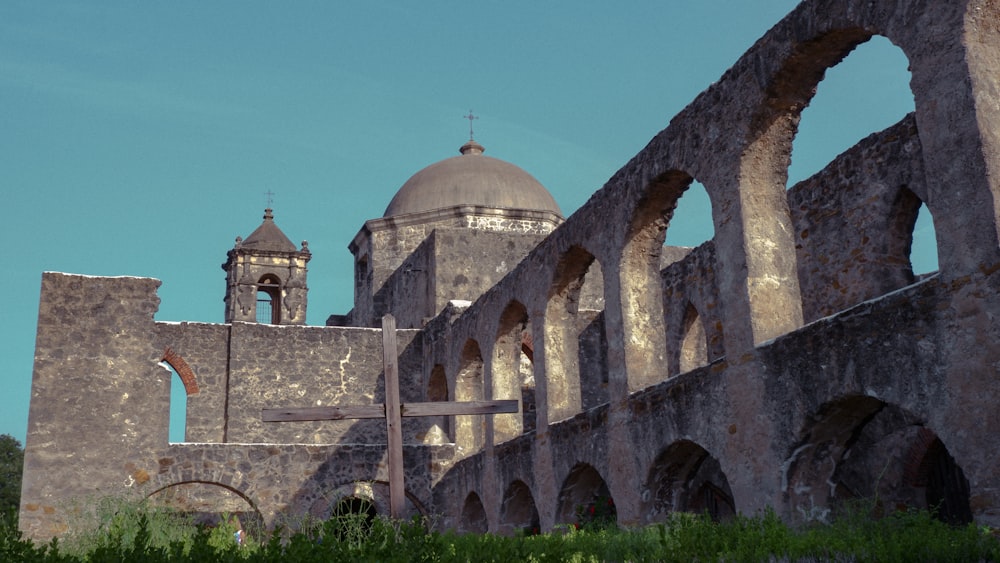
(793, 361)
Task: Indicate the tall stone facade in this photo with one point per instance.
(792, 362)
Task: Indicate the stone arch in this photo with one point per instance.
(905, 209)
(840, 114)
(437, 390)
(269, 290)
(860, 447)
(518, 512)
(946, 490)
(370, 497)
(923, 256)
(641, 282)
(958, 57)
(207, 500)
(582, 488)
(963, 192)
(693, 349)
(473, 520)
(855, 222)
(684, 477)
(355, 505)
(562, 334)
(176, 364)
(529, 402)
(355, 510)
(510, 378)
(691, 223)
(765, 225)
(362, 277)
(469, 430)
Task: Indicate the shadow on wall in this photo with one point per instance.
(859, 447)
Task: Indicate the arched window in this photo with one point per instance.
(269, 300)
(178, 407)
(188, 385)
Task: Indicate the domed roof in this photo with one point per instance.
(268, 236)
(471, 179)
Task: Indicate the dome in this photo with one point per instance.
(471, 179)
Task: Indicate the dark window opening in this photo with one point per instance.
(268, 300)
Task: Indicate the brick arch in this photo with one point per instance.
(641, 286)
(508, 381)
(685, 477)
(582, 486)
(182, 368)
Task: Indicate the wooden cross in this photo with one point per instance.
(392, 410)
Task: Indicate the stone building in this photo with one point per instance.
(793, 361)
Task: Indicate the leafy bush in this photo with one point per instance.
(599, 514)
(11, 463)
(136, 531)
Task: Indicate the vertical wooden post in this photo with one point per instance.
(393, 419)
(393, 411)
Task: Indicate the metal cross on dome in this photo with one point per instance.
(470, 117)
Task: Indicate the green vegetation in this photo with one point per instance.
(11, 461)
(134, 531)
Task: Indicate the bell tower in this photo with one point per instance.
(266, 277)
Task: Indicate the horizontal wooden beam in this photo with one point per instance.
(447, 408)
(441, 408)
(323, 413)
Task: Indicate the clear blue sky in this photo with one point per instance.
(140, 138)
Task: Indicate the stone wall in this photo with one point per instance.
(770, 417)
(100, 401)
(468, 262)
(854, 221)
(100, 413)
(205, 348)
(819, 364)
(291, 480)
(392, 263)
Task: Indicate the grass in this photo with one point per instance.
(135, 531)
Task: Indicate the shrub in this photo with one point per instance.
(125, 530)
(599, 514)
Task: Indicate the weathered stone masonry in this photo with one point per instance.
(793, 362)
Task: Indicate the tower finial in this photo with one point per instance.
(470, 117)
(270, 198)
